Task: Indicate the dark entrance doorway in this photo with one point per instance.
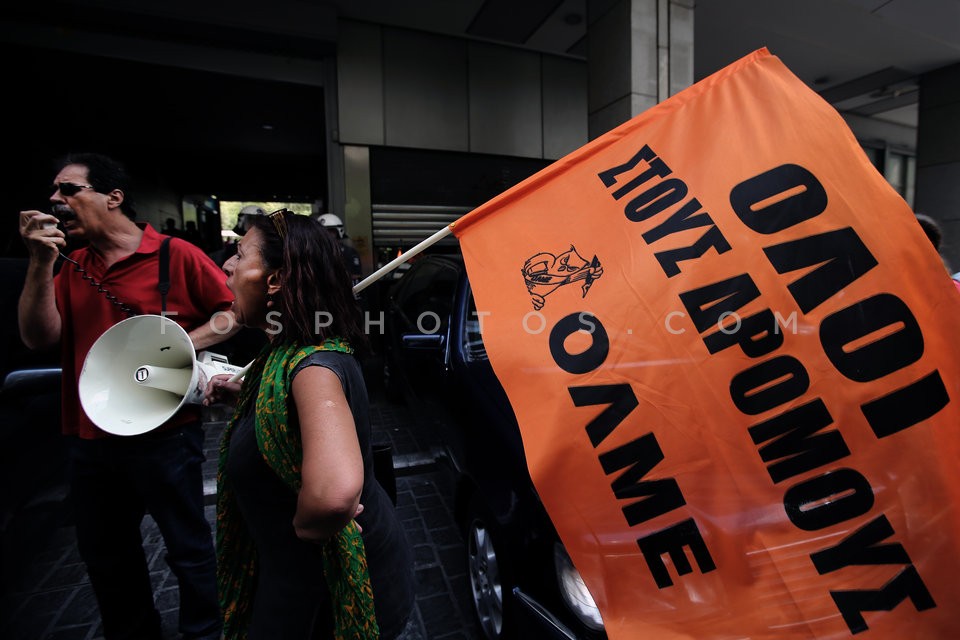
(185, 130)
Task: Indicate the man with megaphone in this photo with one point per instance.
(115, 479)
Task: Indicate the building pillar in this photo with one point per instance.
(357, 213)
(336, 196)
(938, 156)
(639, 52)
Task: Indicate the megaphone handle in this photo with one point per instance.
(239, 374)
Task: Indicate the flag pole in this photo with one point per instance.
(379, 273)
(403, 257)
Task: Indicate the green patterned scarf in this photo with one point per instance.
(344, 560)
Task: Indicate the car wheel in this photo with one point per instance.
(489, 584)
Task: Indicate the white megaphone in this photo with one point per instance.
(139, 373)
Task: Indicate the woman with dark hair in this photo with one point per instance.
(298, 556)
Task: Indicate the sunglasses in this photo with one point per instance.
(68, 189)
(279, 221)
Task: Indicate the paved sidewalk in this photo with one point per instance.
(51, 597)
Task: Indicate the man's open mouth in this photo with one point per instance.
(65, 214)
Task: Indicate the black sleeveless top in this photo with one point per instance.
(291, 598)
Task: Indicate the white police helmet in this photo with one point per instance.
(252, 210)
(330, 220)
(243, 222)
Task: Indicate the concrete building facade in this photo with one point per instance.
(401, 116)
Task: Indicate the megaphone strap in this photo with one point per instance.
(163, 283)
(100, 288)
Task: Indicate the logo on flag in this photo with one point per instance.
(545, 272)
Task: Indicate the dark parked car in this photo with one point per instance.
(32, 457)
(522, 580)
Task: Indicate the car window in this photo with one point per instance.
(425, 296)
(473, 349)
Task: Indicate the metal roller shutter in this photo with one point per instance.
(403, 226)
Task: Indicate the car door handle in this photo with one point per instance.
(421, 341)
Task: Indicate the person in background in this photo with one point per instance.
(243, 347)
(170, 228)
(244, 221)
(334, 225)
(246, 217)
(114, 480)
(932, 229)
(296, 460)
(191, 234)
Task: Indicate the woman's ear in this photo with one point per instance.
(274, 284)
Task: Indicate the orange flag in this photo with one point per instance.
(733, 357)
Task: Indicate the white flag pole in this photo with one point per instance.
(406, 255)
(379, 273)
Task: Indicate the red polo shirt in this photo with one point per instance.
(197, 290)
